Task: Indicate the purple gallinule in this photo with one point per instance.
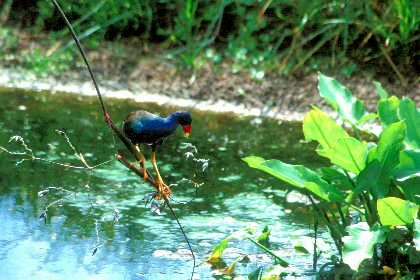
(142, 127)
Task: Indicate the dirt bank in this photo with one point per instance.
(153, 80)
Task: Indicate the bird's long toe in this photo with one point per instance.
(163, 190)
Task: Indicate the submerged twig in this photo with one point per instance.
(31, 156)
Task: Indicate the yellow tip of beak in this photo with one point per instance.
(187, 135)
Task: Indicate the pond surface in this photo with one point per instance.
(142, 244)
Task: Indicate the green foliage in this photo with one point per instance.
(387, 155)
(350, 108)
(360, 242)
(411, 115)
(387, 110)
(394, 211)
(350, 154)
(9, 41)
(261, 241)
(297, 175)
(43, 65)
(256, 36)
(379, 179)
(318, 126)
(217, 251)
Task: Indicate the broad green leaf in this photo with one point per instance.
(350, 108)
(383, 94)
(407, 111)
(254, 161)
(387, 152)
(410, 188)
(337, 179)
(350, 154)
(407, 175)
(359, 244)
(387, 110)
(368, 178)
(301, 177)
(394, 211)
(296, 175)
(217, 251)
(320, 127)
(409, 165)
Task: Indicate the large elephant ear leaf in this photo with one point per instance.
(408, 112)
(298, 176)
(394, 211)
(340, 98)
(320, 127)
(359, 244)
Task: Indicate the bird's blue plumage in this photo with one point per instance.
(142, 127)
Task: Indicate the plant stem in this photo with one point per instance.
(279, 260)
(335, 236)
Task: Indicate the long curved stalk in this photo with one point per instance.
(123, 139)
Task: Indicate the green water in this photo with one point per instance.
(142, 244)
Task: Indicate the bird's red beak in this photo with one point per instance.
(187, 130)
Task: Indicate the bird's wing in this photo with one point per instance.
(144, 117)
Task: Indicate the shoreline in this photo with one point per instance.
(278, 97)
(10, 79)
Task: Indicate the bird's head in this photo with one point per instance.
(184, 119)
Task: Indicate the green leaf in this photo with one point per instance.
(387, 153)
(383, 94)
(387, 110)
(366, 118)
(368, 178)
(337, 179)
(359, 244)
(407, 111)
(217, 251)
(263, 238)
(350, 154)
(350, 108)
(410, 189)
(320, 127)
(409, 165)
(394, 211)
(296, 175)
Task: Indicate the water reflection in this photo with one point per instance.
(142, 245)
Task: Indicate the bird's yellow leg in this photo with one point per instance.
(163, 189)
(142, 161)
